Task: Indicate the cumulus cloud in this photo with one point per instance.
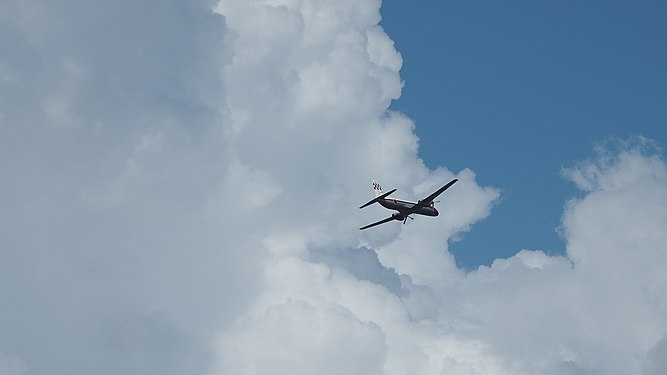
(180, 191)
(600, 308)
(111, 144)
(529, 313)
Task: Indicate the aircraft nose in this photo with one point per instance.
(435, 211)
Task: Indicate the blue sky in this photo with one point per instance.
(517, 90)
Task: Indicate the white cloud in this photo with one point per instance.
(11, 365)
(180, 194)
(107, 239)
(529, 313)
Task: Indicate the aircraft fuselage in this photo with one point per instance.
(407, 207)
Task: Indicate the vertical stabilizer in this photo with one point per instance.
(377, 189)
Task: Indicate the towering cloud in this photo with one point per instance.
(180, 183)
(112, 258)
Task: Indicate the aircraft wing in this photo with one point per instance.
(390, 218)
(377, 198)
(427, 201)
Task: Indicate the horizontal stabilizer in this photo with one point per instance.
(374, 200)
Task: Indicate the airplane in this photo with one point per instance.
(404, 208)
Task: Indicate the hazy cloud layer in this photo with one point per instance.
(180, 183)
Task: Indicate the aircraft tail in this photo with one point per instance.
(378, 194)
(377, 189)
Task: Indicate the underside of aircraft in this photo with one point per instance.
(404, 208)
